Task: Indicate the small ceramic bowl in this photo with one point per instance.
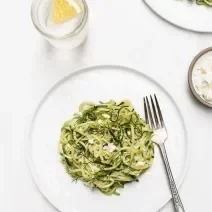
(190, 73)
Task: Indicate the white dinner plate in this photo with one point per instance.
(58, 105)
(181, 13)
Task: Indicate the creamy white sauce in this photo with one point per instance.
(90, 141)
(94, 168)
(140, 163)
(202, 77)
(100, 121)
(110, 147)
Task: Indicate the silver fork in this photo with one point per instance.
(154, 118)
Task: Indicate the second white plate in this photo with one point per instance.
(94, 84)
(180, 13)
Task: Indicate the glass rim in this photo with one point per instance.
(79, 27)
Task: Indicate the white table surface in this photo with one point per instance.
(121, 32)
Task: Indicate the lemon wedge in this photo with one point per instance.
(64, 10)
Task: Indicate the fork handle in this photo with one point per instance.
(175, 195)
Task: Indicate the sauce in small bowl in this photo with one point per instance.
(200, 77)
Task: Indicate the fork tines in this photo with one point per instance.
(153, 113)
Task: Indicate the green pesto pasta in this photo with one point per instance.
(106, 145)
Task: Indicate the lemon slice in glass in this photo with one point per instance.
(64, 10)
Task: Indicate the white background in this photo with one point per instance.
(121, 32)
